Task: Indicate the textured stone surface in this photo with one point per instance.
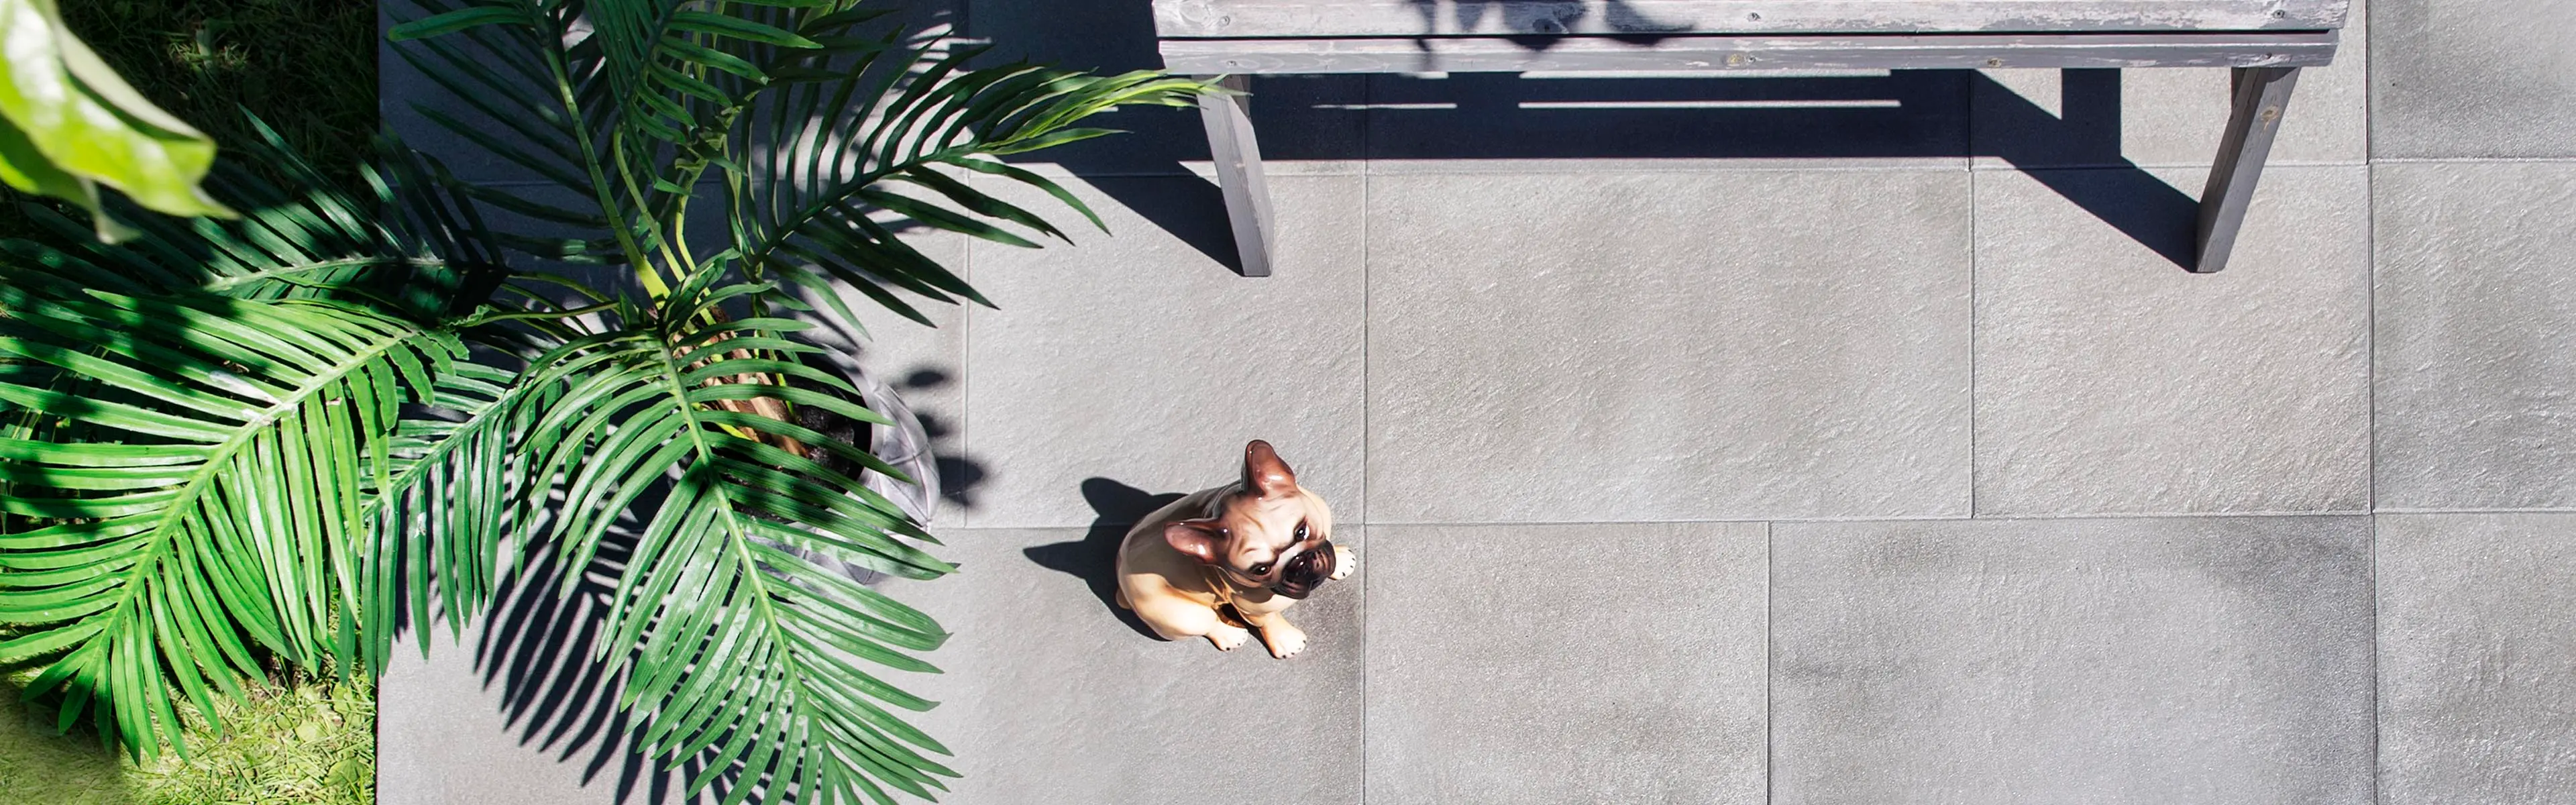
(513, 715)
(2473, 78)
(1511, 664)
(2476, 672)
(2165, 117)
(403, 89)
(1139, 358)
(2110, 380)
(2151, 661)
(2476, 325)
(425, 711)
(1733, 345)
(1050, 696)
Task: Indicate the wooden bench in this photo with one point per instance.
(2265, 42)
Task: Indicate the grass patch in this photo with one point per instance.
(37, 766)
(295, 741)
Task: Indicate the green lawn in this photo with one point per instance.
(37, 766)
(305, 743)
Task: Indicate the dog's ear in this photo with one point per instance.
(1264, 474)
(1203, 540)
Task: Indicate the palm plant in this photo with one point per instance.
(350, 412)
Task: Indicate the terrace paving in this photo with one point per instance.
(1802, 455)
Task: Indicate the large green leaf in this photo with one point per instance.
(186, 478)
(890, 131)
(740, 648)
(67, 123)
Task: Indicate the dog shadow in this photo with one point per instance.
(1094, 558)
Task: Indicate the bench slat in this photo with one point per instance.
(1314, 19)
(1739, 53)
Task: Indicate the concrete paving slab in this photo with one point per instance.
(2473, 78)
(2476, 325)
(1661, 346)
(1139, 357)
(2163, 661)
(1523, 664)
(2475, 669)
(1050, 696)
(2109, 380)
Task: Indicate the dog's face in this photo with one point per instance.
(1268, 533)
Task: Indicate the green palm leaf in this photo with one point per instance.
(891, 131)
(740, 647)
(185, 471)
(436, 538)
(405, 244)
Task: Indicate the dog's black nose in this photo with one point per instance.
(1306, 571)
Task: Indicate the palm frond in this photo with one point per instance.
(184, 471)
(739, 645)
(437, 531)
(895, 132)
(403, 240)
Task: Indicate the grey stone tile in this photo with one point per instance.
(1048, 696)
(2476, 326)
(2473, 78)
(1521, 664)
(2155, 661)
(434, 717)
(1538, 122)
(514, 714)
(2110, 380)
(1660, 346)
(1140, 358)
(2165, 116)
(2475, 668)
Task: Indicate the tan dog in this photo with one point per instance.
(1254, 547)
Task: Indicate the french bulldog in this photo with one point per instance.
(1222, 563)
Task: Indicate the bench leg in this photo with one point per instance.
(2261, 94)
(1238, 174)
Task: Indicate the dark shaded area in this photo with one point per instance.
(1471, 116)
(306, 67)
(1094, 559)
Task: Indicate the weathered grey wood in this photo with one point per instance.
(1344, 18)
(1238, 173)
(1725, 53)
(2264, 41)
(2262, 95)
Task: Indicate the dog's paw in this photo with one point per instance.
(1284, 640)
(1344, 561)
(1228, 638)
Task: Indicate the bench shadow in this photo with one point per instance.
(1094, 558)
(1906, 114)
